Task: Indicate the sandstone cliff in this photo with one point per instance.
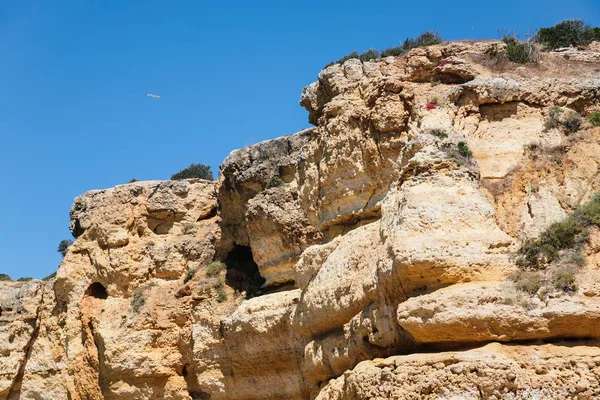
(371, 256)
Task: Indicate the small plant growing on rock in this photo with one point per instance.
(594, 118)
(428, 38)
(440, 133)
(572, 122)
(564, 279)
(215, 268)
(464, 150)
(368, 55)
(342, 60)
(25, 279)
(425, 39)
(191, 272)
(63, 246)
(392, 52)
(460, 153)
(520, 52)
(430, 106)
(133, 180)
(50, 277)
(569, 234)
(576, 258)
(528, 282)
(200, 171)
(553, 118)
(5, 277)
(275, 181)
(221, 295)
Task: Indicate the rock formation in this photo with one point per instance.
(370, 256)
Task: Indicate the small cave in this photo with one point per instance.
(242, 272)
(97, 290)
(449, 78)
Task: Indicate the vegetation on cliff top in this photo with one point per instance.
(566, 33)
(200, 171)
(425, 39)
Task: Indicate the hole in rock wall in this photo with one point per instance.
(97, 290)
(242, 272)
(450, 78)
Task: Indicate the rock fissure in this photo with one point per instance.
(15, 388)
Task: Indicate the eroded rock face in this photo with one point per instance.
(19, 321)
(494, 371)
(388, 229)
(260, 208)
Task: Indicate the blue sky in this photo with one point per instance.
(73, 116)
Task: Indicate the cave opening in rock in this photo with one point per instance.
(97, 290)
(242, 272)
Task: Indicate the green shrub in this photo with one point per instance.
(459, 152)
(553, 118)
(392, 52)
(63, 246)
(25, 279)
(439, 133)
(191, 272)
(567, 33)
(425, 39)
(370, 54)
(200, 171)
(50, 277)
(528, 282)
(564, 279)
(5, 277)
(520, 52)
(275, 181)
(570, 233)
(215, 268)
(428, 38)
(594, 118)
(133, 180)
(493, 50)
(342, 60)
(576, 258)
(221, 295)
(464, 150)
(572, 122)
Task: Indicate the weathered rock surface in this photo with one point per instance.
(560, 371)
(316, 255)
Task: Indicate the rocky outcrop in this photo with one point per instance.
(259, 205)
(560, 371)
(344, 261)
(485, 312)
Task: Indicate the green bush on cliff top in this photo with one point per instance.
(567, 33)
(200, 171)
(425, 39)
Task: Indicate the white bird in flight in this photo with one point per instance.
(154, 96)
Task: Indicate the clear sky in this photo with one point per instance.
(73, 115)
